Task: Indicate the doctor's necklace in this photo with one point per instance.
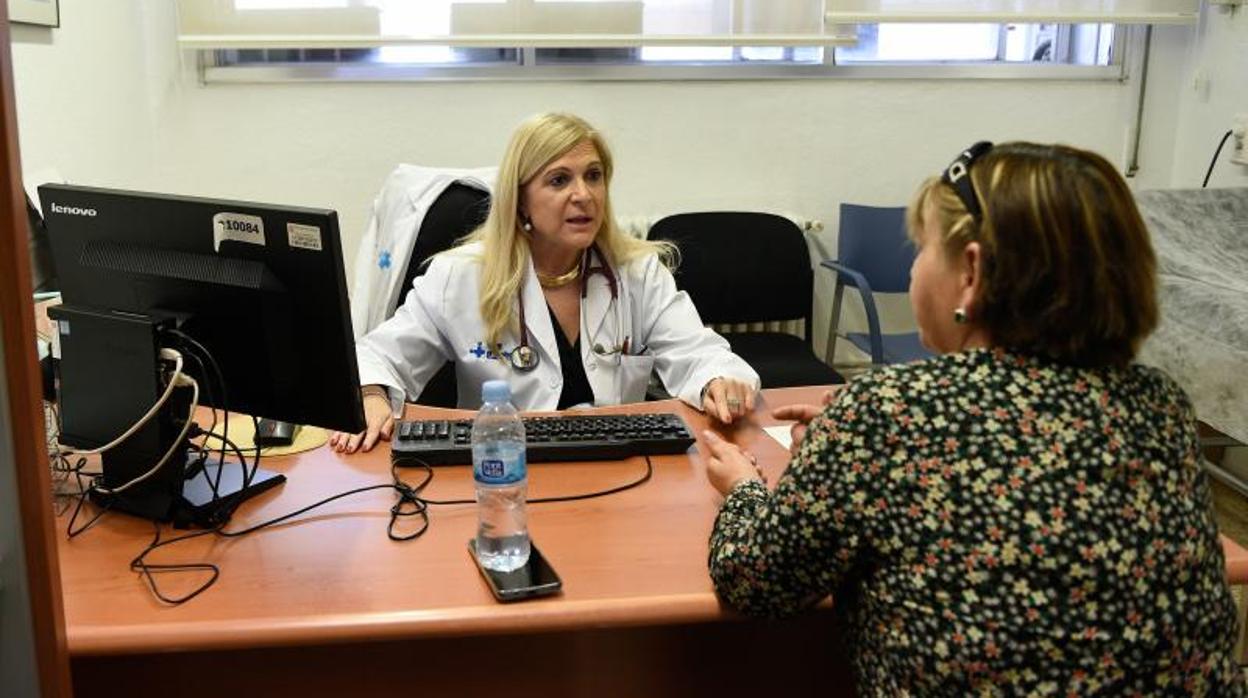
(558, 280)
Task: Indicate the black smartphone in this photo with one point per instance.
(535, 578)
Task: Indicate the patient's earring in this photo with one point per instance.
(528, 226)
(959, 316)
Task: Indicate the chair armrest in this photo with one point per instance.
(846, 275)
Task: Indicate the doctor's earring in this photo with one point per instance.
(959, 316)
(527, 226)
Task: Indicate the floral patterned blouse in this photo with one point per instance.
(996, 523)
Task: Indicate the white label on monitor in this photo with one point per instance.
(306, 237)
(236, 226)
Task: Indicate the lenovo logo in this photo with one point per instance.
(72, 210)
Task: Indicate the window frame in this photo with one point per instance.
(1127, 40)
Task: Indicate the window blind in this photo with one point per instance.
(243, 24)
(1013, 11)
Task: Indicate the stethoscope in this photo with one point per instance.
(524, 359)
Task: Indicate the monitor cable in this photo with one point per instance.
(175, 447)
(61, 456)
(61, 466)
(96, 481)
(411, 504)
(411, 461)
(172, 384)
(194, 348)
(196, 466)
(197, 351)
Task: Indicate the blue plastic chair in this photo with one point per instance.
(874, 257)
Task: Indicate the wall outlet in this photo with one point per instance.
(1239, 133)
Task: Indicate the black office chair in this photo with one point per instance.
(748, 267)
(456, 212)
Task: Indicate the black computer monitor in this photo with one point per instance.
(259, 288)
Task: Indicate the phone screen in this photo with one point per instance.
(535, 578)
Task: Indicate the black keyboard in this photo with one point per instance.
(562, 437)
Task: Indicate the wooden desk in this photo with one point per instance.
(329, 605)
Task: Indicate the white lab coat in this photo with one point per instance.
(441, 321)
(386, 247)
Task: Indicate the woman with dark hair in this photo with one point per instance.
(1025, 513)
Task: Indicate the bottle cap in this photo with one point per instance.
(495, 391)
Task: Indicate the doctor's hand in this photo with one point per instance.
(380, 424)
(727, 399)
(728, 464)
(803, 414)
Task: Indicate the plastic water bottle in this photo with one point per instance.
(501, 474)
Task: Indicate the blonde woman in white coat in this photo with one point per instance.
(550, 296)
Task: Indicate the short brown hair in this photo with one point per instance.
(1068, 267)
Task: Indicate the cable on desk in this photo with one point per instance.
(408, 495)
(140, 565)
(409, 461)
(190, 431)
(149, 570)
(197, 465)
(409, 504)
(70, 531)
(196, 349)
(62, 471)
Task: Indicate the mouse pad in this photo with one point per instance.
(243, 433)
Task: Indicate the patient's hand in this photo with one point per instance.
(802, 414)
(380, 425)
(727, 464)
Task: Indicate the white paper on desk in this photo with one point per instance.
(780, 433)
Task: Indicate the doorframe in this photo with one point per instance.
(24, 395)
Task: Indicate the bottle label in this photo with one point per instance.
(499, 466)
(493, 469)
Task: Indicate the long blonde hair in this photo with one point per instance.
(536, 143)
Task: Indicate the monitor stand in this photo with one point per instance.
(198, 500)
(197, 505)
(112, 370)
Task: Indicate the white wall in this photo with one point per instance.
(1213, 84)
(107, 99)
(794, 146)
(82, 97)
